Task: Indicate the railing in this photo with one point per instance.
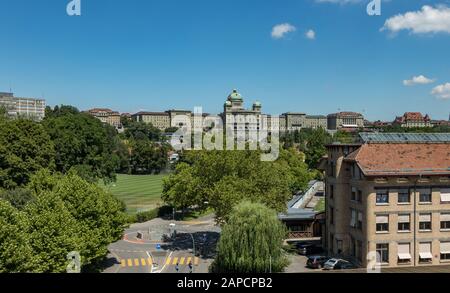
(299, 234)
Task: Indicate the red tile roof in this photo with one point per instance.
(403, 159)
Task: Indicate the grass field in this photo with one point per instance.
(140, 193)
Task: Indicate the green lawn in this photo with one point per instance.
(140, 193)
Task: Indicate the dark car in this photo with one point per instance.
(308, 248)
(344, 265)
(316, 261)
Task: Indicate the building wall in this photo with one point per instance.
(341, 237)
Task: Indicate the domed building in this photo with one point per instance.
(235, 115)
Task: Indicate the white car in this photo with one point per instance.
(329, 265)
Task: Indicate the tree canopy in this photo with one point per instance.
(251, 241)
(25, 147)
(225, 178)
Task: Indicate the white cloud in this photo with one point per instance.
(279, 31)
(418, 80)
(442, 91)
(310, 34)
(427, 20)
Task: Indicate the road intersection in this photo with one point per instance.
(147, 248)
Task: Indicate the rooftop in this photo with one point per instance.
(403, 159)
(370, 137)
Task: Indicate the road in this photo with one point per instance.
(151, 254)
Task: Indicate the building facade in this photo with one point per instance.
(297, 121)
(23, 107)
(412, 120)
(389, 196)
(236, 116)
(160, 120)
(345, 120)
(107, 116)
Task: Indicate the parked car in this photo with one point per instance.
(316, 261)
(338, 264)
(308, 248)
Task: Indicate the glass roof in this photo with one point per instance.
(404, 137)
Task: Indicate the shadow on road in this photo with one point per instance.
(205, 243)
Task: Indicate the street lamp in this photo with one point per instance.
(172, 226)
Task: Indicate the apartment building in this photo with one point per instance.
(413, 119)
(296, 121)
(390, 195)
(23, 107)
(345, 120)
(160, 120)
(107, 116)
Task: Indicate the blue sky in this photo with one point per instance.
(160, 54)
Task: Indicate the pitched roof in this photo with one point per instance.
(403, 159)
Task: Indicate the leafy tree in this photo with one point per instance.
(16, 255)
(18, 197)
(224, 178)
(25, 147)
(53, 232)
(142, 131)
(100, 216)
(84, 143)
(148, 157)
(315, 147)
(251, 241)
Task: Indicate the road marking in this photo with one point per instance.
(136, 262)
(168, 261)
(175, 260)
(196, 261)
(150, 261)
(182, 261)
(143, 262)
(189, 260)
(123, 263)
(130, 263)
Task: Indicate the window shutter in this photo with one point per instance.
(404, 218)
(445, 247)
(445, 195)
(445, 217)
(425, 218)
(382, 219)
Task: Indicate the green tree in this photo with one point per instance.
(53, 233)
(251, 241)
(16, 255)
(148, 157)
(142, 131)
(224, 178)
(99, 215)
(18, 197)
(82, 142)
(25, 148)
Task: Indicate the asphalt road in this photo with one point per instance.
(151, 254)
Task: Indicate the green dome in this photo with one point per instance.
(235, 96)
(257, 104)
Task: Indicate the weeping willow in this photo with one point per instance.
(251, 241)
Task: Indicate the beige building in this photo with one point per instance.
(413, 119)
(297, 121)
(160, 120)
(23, 107)
(107, 116)
(389, 195)
(345, 120)
(238, 118)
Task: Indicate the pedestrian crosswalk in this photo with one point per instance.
(182, 261)
(136, 262)
(148, 262)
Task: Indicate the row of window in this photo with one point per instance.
(404, 196)
(404, 222)
(404, 252)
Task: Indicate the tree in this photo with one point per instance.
(315, 147)
(251, 241)
(224, 178)
(25, 147)
(84, 143)
(53, 233)
(99, 215)
(141, 131)
(148, 157)
(18, 197)
(16, 255)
